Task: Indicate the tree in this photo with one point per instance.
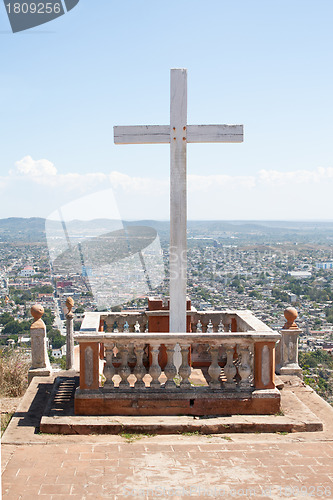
(77, 326)
(56, 339)
(16, 327)
(5, 318)
(48, 319)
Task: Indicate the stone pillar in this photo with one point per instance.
(89, 365)
(287, 348)
(40, 366)
(69, 334)
(264, 365)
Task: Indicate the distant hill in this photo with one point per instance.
(20, 229)
(33, 229)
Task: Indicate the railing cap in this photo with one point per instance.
(220, 337)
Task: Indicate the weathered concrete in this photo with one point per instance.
(50, 407)
(199, 402)
(233, 465)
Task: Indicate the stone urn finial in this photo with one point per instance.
(290, 314)
(69, 304)
(37, 312)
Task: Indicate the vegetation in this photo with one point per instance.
(280, 295)
(12, 326)
(318, 372)
(58, 361)
(131, 437)
(22, 296)
(5, 419)
(56, 339)
(15, 327)
(14, 368)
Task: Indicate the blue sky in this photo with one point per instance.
(266, 64)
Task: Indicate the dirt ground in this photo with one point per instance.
(9, 405)
(7, 408)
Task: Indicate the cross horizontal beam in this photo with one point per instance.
(142, 134)
(160, 134)
(214, 133)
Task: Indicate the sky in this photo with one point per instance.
(266, 64)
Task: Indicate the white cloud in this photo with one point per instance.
(35, 168)
(37, 187)
(43, 172)
(275, 177)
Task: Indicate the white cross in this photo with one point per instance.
(178, 134)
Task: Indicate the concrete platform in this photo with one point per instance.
(48, 406)
(190, 464)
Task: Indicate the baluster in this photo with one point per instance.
(155, 369)
(115, 327)
(126, 327)
(214, 370)
(139, 370)
(146, 328)
(109, 369)
(170, 369)
(221, 327)
(185, 369)
(199, 327)
(124, 370)
(137, 327)
(244, 368)
(230, 369)
(209, 327)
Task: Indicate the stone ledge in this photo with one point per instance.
(39, 372)
(301, 420)
(200, 401)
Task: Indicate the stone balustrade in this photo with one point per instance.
(241, 369)
(200, 321)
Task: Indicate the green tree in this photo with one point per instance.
(56, 339)
(5, 318)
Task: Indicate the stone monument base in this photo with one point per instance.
(39, 372)
(198, 402)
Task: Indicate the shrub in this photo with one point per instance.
(13, 373)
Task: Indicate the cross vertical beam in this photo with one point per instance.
(178, 200)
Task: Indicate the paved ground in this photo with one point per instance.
(169, 469)
(297, 465)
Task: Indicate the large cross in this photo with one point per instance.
(178, 134)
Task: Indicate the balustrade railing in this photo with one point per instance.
(237, 361)
(200, 321)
